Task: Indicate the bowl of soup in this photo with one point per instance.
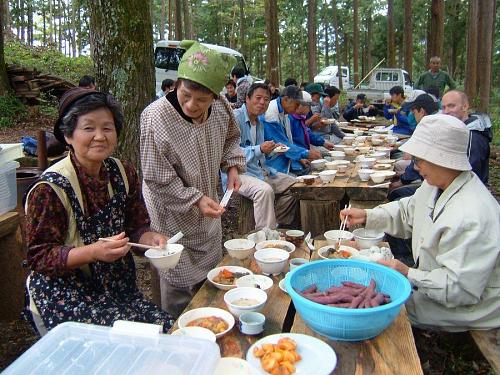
(245, 299)
(272, 261)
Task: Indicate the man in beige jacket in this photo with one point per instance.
(454, 223)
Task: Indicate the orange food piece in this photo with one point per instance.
(280, 358)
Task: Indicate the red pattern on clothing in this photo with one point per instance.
(47, 220)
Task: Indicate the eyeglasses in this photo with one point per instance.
(415, 160)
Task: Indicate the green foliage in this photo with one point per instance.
(11, 111)
(494, 113)
(48, 60)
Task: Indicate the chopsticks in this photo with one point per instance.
(343, 225)
(135, 244)
(379, 185)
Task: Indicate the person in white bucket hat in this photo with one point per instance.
(454, 223)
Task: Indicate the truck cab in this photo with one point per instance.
(168, 54)
(329, 76)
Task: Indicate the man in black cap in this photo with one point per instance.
(360, 107)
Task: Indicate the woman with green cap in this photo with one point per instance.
(187, 137)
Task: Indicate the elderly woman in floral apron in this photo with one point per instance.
(87, 196)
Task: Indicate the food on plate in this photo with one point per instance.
(281, 148)
(334, 253)
(213, 323)
(279, 358)
(227, 277)
(278, 246)
(348, 295)
(245, 302)
(375, 254)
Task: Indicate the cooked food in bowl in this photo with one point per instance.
(245, 299)
(245, 302)
(335, 252)
(276, 244)
(213, 323)
(239, 248)
(227, 277)
(271, 261)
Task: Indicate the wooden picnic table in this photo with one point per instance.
(320, 203)
(367, 127)
(392, 352)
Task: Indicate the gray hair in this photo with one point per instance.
(88, 104)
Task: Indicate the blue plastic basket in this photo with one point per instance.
(342, 323)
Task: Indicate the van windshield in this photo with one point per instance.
(168, 58)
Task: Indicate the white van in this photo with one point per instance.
(330, 77)
(168, 54)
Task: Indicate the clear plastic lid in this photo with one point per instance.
(77, 348)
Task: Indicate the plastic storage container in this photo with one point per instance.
(8, 187)
(10, 152)
(77, 348)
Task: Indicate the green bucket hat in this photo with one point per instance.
(315, 88)
(205, 66)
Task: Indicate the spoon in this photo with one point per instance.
(171, 241)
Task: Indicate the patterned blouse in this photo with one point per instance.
(47, 220)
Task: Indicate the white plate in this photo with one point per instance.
(282, 285)
(349, 249)
(281, 149)
(234, 366)
(197, 332)
(205, 312)
(262, 281)
(264, 245)
(214, 272)
(318, 358)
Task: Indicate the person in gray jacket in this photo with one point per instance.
(454, 223)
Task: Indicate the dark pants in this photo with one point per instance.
(401, 192)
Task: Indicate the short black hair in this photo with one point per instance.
(361, 97)
(331, 91)
(396, 90)
(166, 83)
(88, 104)
(86, 81)
(230, 82)
(425, 102)
(291, 81)
(238, 71)
(255, 86)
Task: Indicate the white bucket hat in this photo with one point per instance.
(442, 140)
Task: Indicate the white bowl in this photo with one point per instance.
(165, 259)
(377, 177)
(272, 261)
(361, 138)
(364, 174)
(252, 281)
(333, 236)
(366, 163)
(348, 140)
(276, 244)
(337, 155)
(234, 366)
(386, 150)
(196, 332)
(318, 164)
(366, 238)
(358, 132)
(259, 297)
(387, 161)
(382, 167)
(308, 179)
(363, 149)
(214, 272)
(377, 155)
(327, 176)
(323, 251)
(239, 248)
(388, 174)
(205, 312)
(340, 147)
(350, 151)
(377, 141)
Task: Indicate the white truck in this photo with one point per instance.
(381, 81)
(330, 77)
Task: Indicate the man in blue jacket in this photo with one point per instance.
(456, 103)
(398, 111)
(277, 128)
(260, 183)
(357, 108)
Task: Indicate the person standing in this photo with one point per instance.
(435, 77)
(186, 138)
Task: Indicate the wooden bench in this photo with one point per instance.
(489, 344)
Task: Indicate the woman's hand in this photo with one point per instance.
(396, 265)
(233, 181)
(209, 207)
(354, 216)
(153, 239)
(109, 251)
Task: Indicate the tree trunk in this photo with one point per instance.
(74, 27)
(485, 52)
(170, 28)
(30, 23)
(456, 34)
(271, 7)
(128, 75)
(188, 27)
(178, 20)
(408, 36)
(355, 40)
(4, 81)
(369, 31)
(337, 44)
(435, 38)
(327, 39)
(311, 39)
(472, 42)
(242, 27)
(162, 20)
(4, 7)
(59, 11)
(391, 41)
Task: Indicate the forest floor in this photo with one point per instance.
(440, 352)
